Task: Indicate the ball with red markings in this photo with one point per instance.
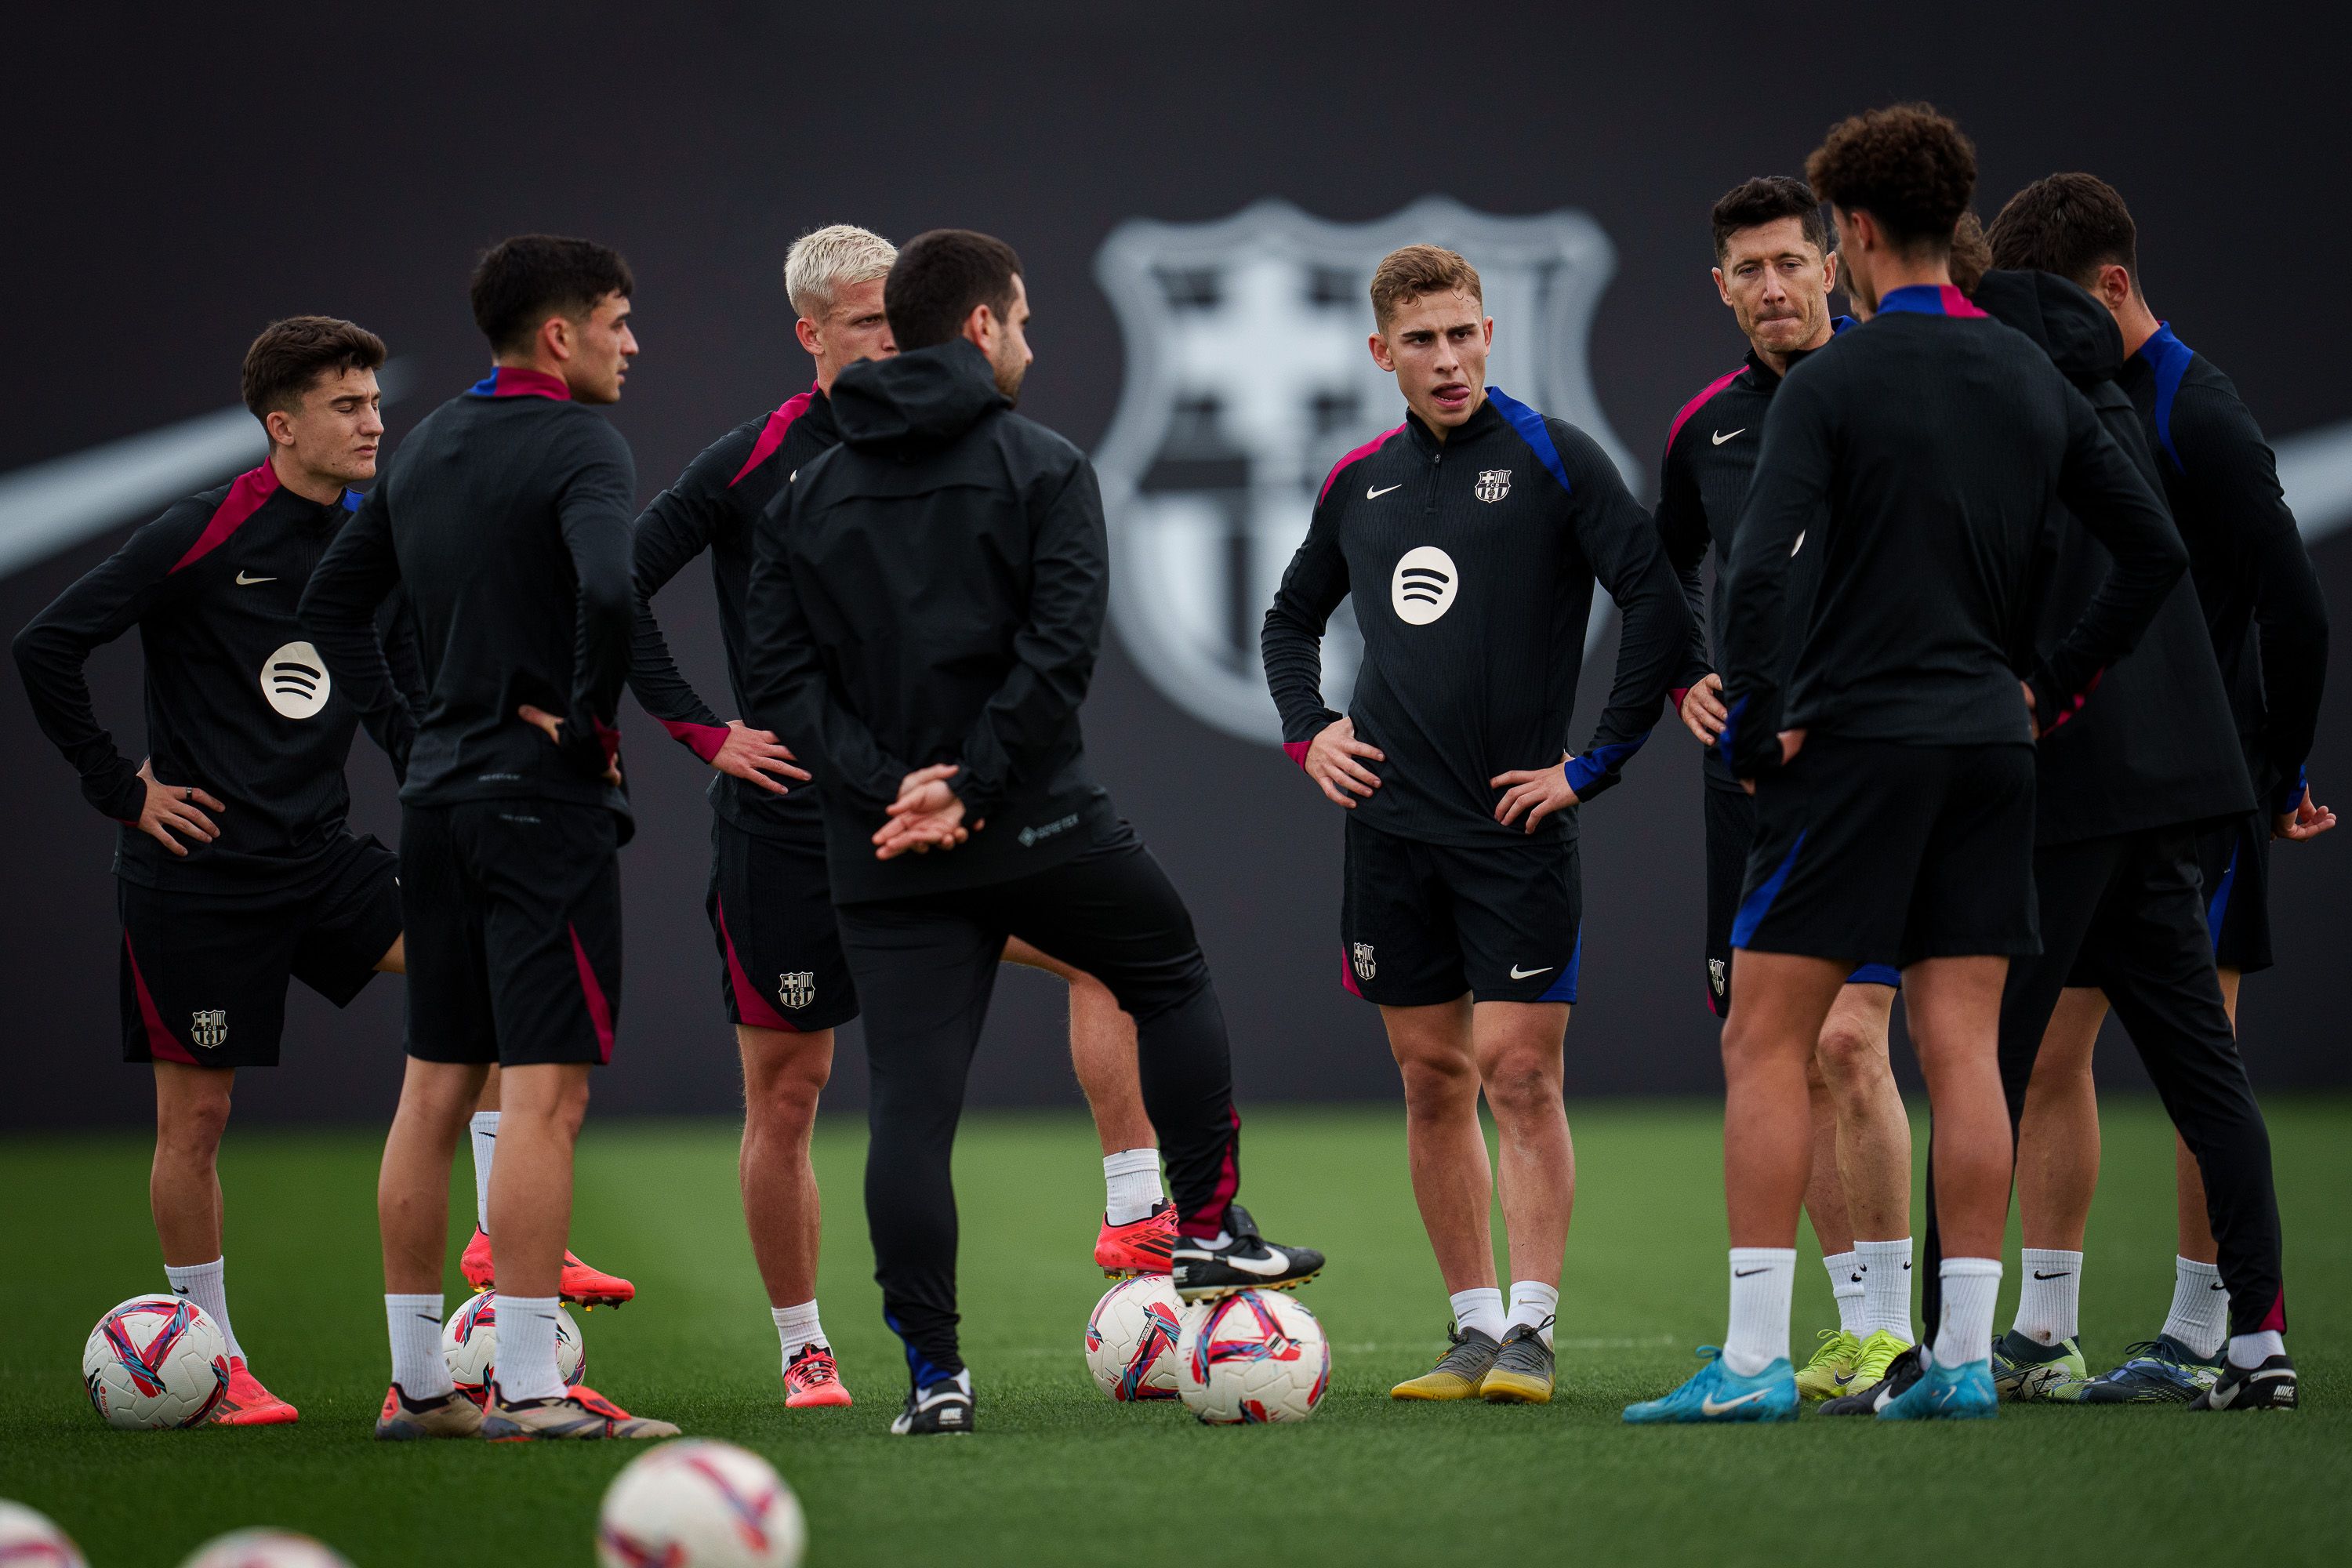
(1131, 1338)
(1254, 1356)
(265, 1549)
(155, 1363)
(700, 1503)
(32, 1539)
(470, 1344)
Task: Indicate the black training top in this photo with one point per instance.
(2153, 748)
(932, 590)
(1924, 457)
(504, 517)
(2262, 599)
(238, 703)
(716, 505)
(1701, 487)
(1473, 583)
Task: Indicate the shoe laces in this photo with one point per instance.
(813, 1367)
(1836, 1345)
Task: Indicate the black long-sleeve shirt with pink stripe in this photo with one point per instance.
(1473, 562)
(1924, 455)
(715, 506)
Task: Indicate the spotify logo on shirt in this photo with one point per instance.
(1423, 588)
(295, 682)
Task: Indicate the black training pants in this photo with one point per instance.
(2127, 914)
(924, 968)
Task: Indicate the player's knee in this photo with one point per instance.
(1849, 1056)
(781, 1094)
(1438, 1084)
(1518, 1087)
(195, 1123)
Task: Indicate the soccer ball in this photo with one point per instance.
(29, 1538)
(265, 1549)
(1131, 1338)
(697, 1503)
(469, 1344)
(155, 1362)
(1254, 1356)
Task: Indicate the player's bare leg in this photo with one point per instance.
(785, 1073)
(1453, 1185)
(1861, 1205)
(412, 1201)
(1518, 1047)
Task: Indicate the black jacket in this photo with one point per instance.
(2157, 745)
(932, 590)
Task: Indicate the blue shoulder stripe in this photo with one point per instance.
(1531, 427)
(2169, 357)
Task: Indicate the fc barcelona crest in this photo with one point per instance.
(1365, 967)
(1493, 484)
(796, 990)
(209, 1029)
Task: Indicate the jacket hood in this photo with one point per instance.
(924, 397)
(2076, 330)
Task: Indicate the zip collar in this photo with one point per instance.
(1484, 418)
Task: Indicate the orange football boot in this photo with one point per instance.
(585, 1287)
(247, 1403)
(813, 1380)
(1141, 1247)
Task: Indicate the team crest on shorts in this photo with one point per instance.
(209, 1029)
(1714, 973)
(1209, 478)
(1365, 967)
(796, 990)
(1493, 484)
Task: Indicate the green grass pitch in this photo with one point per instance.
(1058, 1475)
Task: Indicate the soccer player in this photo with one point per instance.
(1471, 536)
(1774, 268)
(233, 868)
(771, 913)
(505, 520)
(926, 607)
(1893, 760)
(2268, 626)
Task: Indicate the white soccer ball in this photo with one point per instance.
(153, 1362)
(1254, 1356)
(265, 1549)
(1131, 1338)
(469, 1344)
(29, 1537)
(700, 1503)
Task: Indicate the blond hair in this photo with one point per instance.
(824, 261)
(1405, 275)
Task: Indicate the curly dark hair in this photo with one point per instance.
(2071, 225)
(1906, 166)
(1768, 198)
(521, 282)
(1971, 256)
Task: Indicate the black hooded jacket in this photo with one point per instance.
(932, 590)
(2157, 745)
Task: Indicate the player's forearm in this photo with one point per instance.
(665, 693)
(51, 666)
(1291, 651)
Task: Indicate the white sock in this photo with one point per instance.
(1965, 1334)
(1845, 1290)
(1130, 1185)
(526, 1347)
(2253, 1349)
(798, 1329)
(1886, 1287)
(203, 1284)
(485, 1127)
(416, 1365)
(1762, 1280)
(1481, 1309)
(2199, 1318)
(1533, 1304)
(2050, 1295)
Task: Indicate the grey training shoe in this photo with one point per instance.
(1522, 1372)
(1458, 1373)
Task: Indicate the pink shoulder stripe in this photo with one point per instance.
(772, 435)
(1366, 450)
(1957, 303)
(1695, 404)
(245, 496)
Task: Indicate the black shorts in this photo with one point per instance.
(203, 974)
(770, 910)
(514, 931)
(1421, 923)
(2235, 858)
(1730, 834)
(1878, 853)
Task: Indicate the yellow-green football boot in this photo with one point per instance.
(1831, 1372)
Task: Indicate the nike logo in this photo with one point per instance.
(1372, 494)
(426, 1318)
(1710, 1406)
(1720, 438)
(1746, 1273)
(2060, 1275)
(1519, 973)
(1274, 1262)
(245, 582)
(2215, 1285)
(1843, 1378)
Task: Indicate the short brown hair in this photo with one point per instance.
(520, 282)
(289, 356)
(2071, 225)
(1406, 274)
(1971, 256)
(1769, 198)
(1906, 166)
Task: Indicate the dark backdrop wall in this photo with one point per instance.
(180, 176)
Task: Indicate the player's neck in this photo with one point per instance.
(1892, 269)
(321, 488)
(536, 360)
(2138, 324)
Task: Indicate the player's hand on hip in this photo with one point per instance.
(2306, 821)
(551, 727)
(2033, 708)
(1791, 742)
(172, 808)
(1703, 712)
(1332, 762)
(753, 755)
(1538, 792)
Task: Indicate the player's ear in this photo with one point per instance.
(1381, 355)
(1829, 273)
(279, 423)
(810, 339)
(1490, 332)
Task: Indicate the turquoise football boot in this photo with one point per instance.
(1716, 1393)
(1947, 1393)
